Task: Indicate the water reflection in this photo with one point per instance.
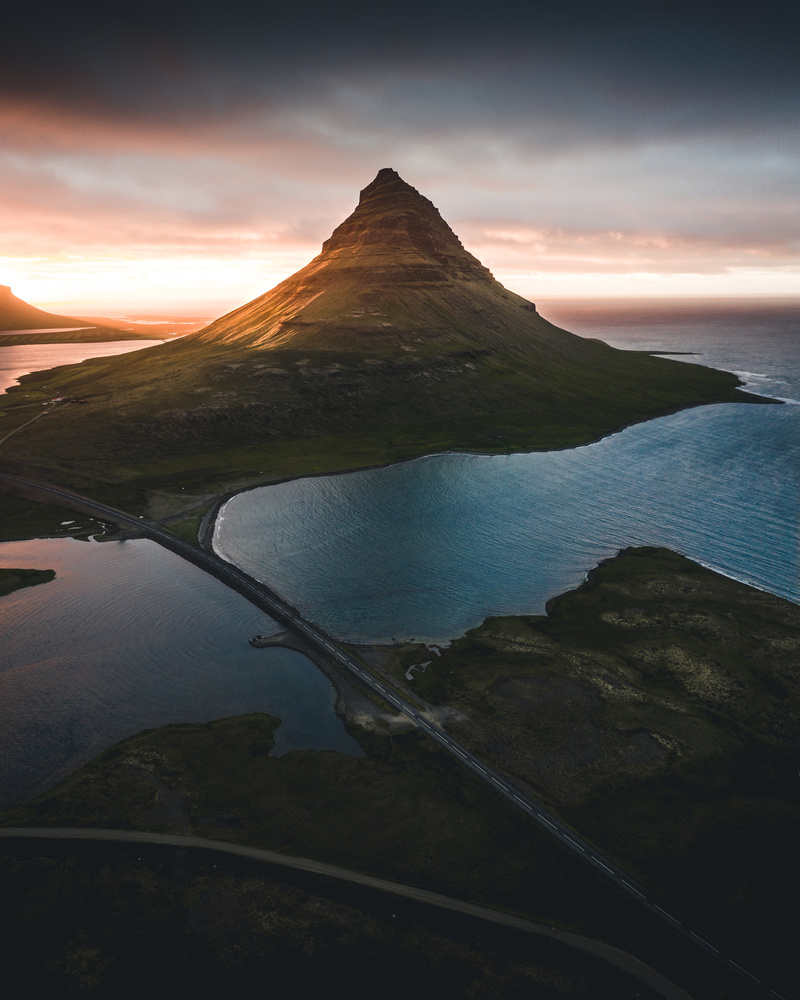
(129, 636)
(21, 359)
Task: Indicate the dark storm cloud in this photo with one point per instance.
(621, 66)
(572, 137)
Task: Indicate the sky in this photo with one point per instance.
(188, 156)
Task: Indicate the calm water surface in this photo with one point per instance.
(21, 359)
(429, 548)
(129, 636)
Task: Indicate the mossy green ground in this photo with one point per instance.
(406, 812)
(657, 709)
(22, 519)
(169, 424)
(112, 921)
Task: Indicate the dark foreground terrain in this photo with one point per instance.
(125, 922)
(655, 708)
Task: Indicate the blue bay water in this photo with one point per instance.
(430, 548)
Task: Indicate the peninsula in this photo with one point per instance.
(393, 342)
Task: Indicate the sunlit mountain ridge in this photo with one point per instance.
(392, 275)
(394, 341)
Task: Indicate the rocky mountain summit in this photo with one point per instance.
(393, 274)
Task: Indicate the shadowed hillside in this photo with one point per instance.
(18, 315)
(15, 314)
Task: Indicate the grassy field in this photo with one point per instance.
(657, 709)
(150, 921)
(95, 335)
(170, 424)
(406, 811)
(20, 519)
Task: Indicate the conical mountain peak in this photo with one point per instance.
(387, 181)
(393, 217)
(391, 273)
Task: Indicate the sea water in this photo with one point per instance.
(429, 548)
(17, 360)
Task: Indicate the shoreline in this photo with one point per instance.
(207, 526)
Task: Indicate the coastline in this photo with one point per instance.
(727, 562)
(206, 531)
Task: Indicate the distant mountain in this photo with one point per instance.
(392, 275)
(15, 314)
(18, 315)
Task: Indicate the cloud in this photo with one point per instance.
(227, 131)
(200, 61)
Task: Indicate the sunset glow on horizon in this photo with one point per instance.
(191, 161)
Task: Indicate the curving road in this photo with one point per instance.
(262, 597)
(614, 956)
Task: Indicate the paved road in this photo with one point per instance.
(264, 598)
(614, 956)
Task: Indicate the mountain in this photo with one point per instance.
(392, 342)
(25, 320)
(392, 275)
(15, 314)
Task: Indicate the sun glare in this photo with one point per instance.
(113, 285)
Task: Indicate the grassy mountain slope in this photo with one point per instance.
(394, 341)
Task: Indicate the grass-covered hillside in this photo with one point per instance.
(393, 342)
(405, 811)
